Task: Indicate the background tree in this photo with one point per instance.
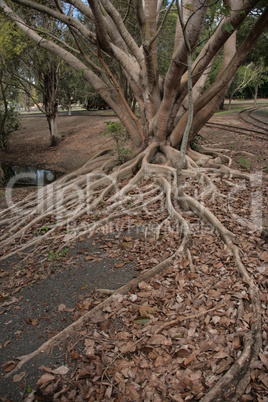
(10, 49)
(257, 57)
(260, 82)
(72, 88)
(246, 76)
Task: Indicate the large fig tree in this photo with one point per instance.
(117, 45)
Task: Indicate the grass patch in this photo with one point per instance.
(244, 163)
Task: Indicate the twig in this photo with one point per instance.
(179, 319)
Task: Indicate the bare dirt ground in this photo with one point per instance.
(82, 135)
(192, 331)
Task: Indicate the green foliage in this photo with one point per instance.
(54, 255)
(244, 163)
(212, 11)
(245, 77)
(81, 73)
(12, 41)
(119, 134)
(72, 86)
(64, 252)
(227, 27)
(226, 10)
(257, 55)
(44, 229)
(28, 389)
(9, 122)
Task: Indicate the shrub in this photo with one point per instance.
(119, 134)
(9, 122)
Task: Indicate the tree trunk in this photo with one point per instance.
(1, 177)
(221, 107)
(27, 103)
(229, 104)
(53, 129)
(69, 107)
(51, 103)
(256, 92)
(4, 114)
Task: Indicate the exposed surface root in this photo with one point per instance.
(79, 203)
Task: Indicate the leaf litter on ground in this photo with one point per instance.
(176, 334)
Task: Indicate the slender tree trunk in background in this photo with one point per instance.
(221, 107)
(256, 91)
(27, 103)
(1, 177)
(4, 114)
(53, 128)
(70, 108)
(51, 103)
(52, 119)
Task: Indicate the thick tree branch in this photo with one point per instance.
(227, 74)
(130, 43)
(100, 25)
(177, 67)
(82, 7)
(238, 58)
(215, 43)
(121, 95)
(68, 20)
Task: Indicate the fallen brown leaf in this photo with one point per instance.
(8, 366)
(35, 321)
(19, 377)
(62, 370)
(45, 379)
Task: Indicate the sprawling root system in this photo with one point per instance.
(100, 192)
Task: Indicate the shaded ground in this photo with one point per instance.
(82, 133)
(45, 297)
(43, 294)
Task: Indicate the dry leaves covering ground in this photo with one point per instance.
(177, 334)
